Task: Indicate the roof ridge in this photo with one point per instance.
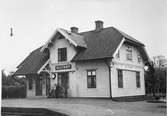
(94, 30)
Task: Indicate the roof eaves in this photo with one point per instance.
(38, 72)
(88, 59)
(62, 31)
(119, 46)
(131, 41)
(47, 42)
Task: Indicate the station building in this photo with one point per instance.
(103, 63)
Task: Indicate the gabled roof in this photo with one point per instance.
(32, 63)
(102, 44)
(92, 45)
(76, 39)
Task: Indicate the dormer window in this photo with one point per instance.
(129, 52)
(62, 54)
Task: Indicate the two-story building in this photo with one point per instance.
(104, 62)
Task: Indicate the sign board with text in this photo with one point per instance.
(62, 67)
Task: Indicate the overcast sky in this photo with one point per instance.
(34, 22)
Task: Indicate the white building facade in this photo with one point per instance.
(85, 72)
(132, 73)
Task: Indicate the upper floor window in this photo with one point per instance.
(62, 54)
(120, 78)
(129, 52)
(139, 58)
(138, 80)
(91, 78)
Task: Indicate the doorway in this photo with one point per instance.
(38, 86)
(63, 80)
(47, 84)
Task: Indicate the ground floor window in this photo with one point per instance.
(91, 78)
(138, 85)
(120, 78)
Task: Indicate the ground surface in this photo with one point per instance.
(91, 107)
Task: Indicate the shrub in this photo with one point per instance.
(13, 91)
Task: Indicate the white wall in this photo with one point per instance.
(32, 93)
(129, 75)
(123, 59)
(73, 85)
(61, 43)
(71, 52)
(78, 74)
(102, 79)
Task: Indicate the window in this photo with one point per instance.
(120, 78)
(62, 54)
(138, 79)
(118, 55)
(30, 83)
(129, 52)
(139, 58)
(91, 78)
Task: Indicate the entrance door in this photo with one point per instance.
(47, 84)
(63, 80)
(38, 86)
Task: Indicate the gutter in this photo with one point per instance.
(109, 77)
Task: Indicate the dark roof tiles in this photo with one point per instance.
(100, 44)
(32, 63)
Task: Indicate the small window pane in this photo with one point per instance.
(139, 58)
(93, 72)
(129, 52)
(89, 73)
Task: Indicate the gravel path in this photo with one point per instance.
(90, 107)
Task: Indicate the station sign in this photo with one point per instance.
(62, 67)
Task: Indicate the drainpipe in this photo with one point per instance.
(108, 65)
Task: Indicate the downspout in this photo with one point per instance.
(108, 65)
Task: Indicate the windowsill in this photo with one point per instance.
(92, 88)
(120, 88)
(138, 88)
(129, 60)
(62, 62)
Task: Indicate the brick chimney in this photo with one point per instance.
(99, 25)
(74, 29)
